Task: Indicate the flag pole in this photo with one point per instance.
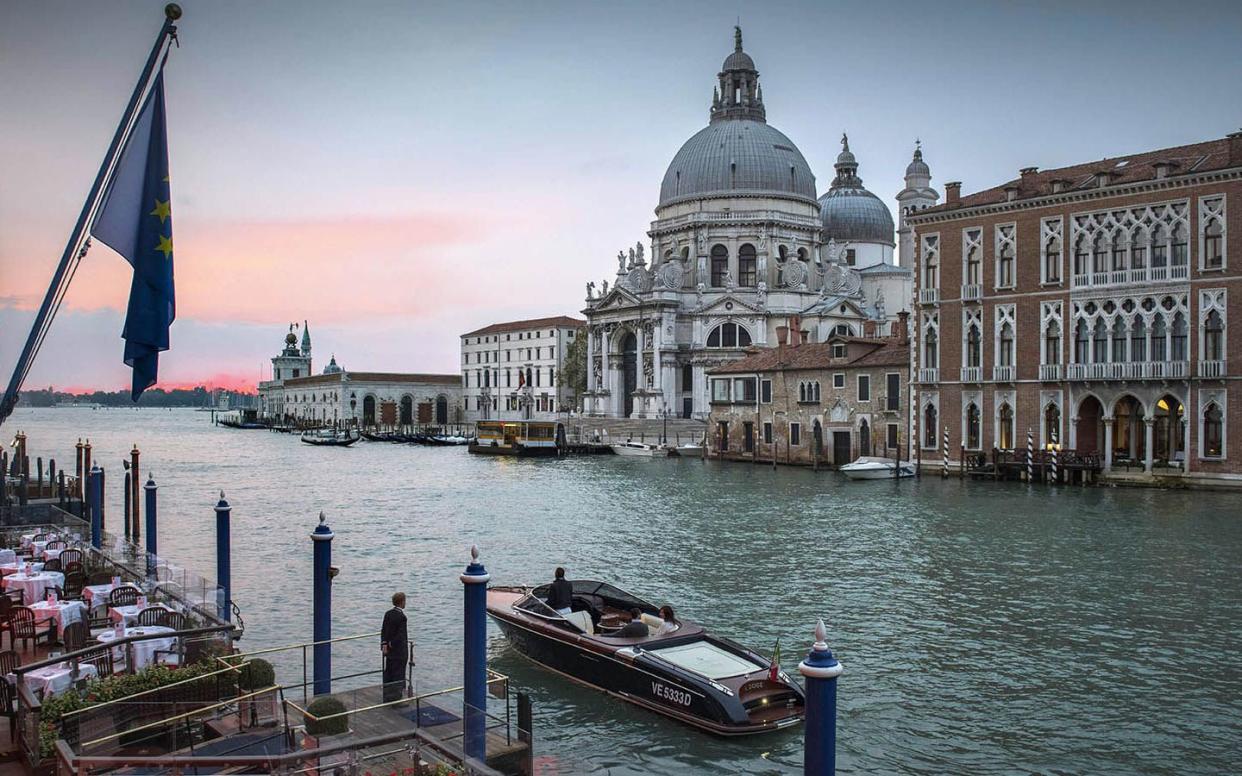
(172, 12)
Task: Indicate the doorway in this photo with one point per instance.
(629, 370)
(840, 448)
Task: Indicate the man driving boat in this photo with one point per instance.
(561, 593)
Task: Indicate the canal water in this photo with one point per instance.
(985, 628)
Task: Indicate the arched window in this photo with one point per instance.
(729, 335)
(1081, 255)
(1138, 249)
(1179, 339)
(720, 265)
(1004, 355)
(1138, 339)
(1119, 251)
(972, 265)
(931, 265)
(1100, 254)
(1213, 258)
(1159, 249)
(1052, 423)
(747, 275)
(1006, 427)
(973, 426)
(1052, 343)
(1214, 337)
(1159, 348)
(864, 437)
(1081, 342)
(802, 392)
(1119, 341)
(1213, 431)
(974, 346)
(1180, 255)
(931, 350)
(1052, 261)
(1099, 344)
(929, 425)
(1004, 266)
(816, 385)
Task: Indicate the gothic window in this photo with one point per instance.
(815, 385)
(802, 392)
(1138, 250)
(929, 425)
(1099, 342)
(1119, 253)
(1180, 256)
(1052, 343)
(1159, 349)
(1159, 249)
(1004, 352)
(720, 265)
(1119, 341)
(1179, 338)
(974, 345)
(728, 335)
(1212, 233)
(1052, 261)
(1213, 432)
(973, 263)
(746, 266)
(1081, 256)
(1212, 257)
(931, 350)
(1052, 423)
(931, 261)
(1214, 337)
(1100, 254)
(1005, 429)
(973, 426)
(1138, 339)
(1005, 249)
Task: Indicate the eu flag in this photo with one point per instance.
(136, 222)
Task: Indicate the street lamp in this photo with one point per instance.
(664, 433)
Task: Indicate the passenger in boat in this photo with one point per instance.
(561, 594)
(670, 621)
(395, 644)
(635, 628)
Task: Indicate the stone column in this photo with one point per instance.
(590, 335)
(1108, 444)
(657, 368)
(1149, 424)
(1073, 433)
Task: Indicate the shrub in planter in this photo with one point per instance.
(256, 675)
(326, 706)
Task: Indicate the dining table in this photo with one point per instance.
(56, 679)
(61, 611)
(143, 650)
(33, 586)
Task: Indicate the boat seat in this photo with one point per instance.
(583, 621)
(653, 623)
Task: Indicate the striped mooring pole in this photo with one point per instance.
(1030, 455)
(1055, 478)
(944, 472)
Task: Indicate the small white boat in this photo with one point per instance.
(691, 450)
(873, 468)
(640, 450)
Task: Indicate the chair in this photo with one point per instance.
(176, 620)
(39, 537)
(74, 582)
(9, 662)
(100, 658)
(22, 621)
(99, 578)
(52, 565)
(57, 544)
(73, 567)
(71, 555)
(125, 595)
(75, 636)
(8, 706)
(152, 616)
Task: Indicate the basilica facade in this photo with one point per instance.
(742, 244)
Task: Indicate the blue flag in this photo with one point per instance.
(136, 222)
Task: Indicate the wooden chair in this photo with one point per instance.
(6, 610)
(52, 565)
(176, 621)
(22, 621)
(39, 537)
(71, 555)
(126, 595)
(74, 582)
(9, 661)
(73, 567)
(152, 616)
(8, 706)
(99, 578)
(58, 544)
(100, 658)
(75, 636)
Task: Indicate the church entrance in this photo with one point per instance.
(629, 370)
(368, 411)
(441, 410)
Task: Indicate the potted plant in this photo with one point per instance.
(322, 720)
(257, 674)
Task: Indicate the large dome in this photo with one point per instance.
(855, 215)
(738, 156)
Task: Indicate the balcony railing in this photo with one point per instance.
(929, 375)
(972, 292)
(1129, 370)
(1050, 372)
(1004, 374)
(1212, 368)
(929, 296)
(972, 374)
(1137, 275)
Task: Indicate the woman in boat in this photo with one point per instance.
(670, 621)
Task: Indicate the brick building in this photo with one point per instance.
(822, 403)
(1090, 304)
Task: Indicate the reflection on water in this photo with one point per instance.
(985, 628)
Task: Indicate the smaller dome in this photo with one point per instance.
(291, 339)
(853, 214)
(738, 60)
(918, 166)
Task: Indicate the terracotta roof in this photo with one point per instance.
(1193, 158)
(818, 355)
(374, 377)
(328, 379)
(556, 322)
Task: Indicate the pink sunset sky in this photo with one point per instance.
(400, 173)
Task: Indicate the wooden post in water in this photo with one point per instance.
(86, 462)
(135, 492)
(125, 501)
(51, 475)
(102, 491)
(525, 733)
(39, 481)
(961, 462)
(77, 469)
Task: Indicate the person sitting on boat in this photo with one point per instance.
(561, 593)
(635, 628)
(670, 621)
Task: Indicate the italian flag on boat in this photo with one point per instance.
(775, 668)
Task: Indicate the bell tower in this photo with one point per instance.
(917, 195)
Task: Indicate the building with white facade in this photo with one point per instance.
(510, 370)
(741, 244)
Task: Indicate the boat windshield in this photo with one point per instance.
(706, 659)
(533, 604)
(614, 596)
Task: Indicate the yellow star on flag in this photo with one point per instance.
(165, 246)
(162, 210)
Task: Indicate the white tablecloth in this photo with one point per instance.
(129, 614)
(144, 651)
(12, 568)
(97, 595)
(63, 612)
(49, 554)
(54, 680)
(8, 556)
(33, 587)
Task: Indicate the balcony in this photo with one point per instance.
(929, 375)
(1130, 370)
(1050, 373)
(1004, 374)
(972, 292)
(1137, 276)
(1212, 368)
(929, 296)
(972, 374)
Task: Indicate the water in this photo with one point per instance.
(985, 628)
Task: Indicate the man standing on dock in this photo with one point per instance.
(395, 644)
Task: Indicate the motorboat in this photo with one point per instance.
(705, 681)
(329, 437)
(689, 450)
(874, 468)
(639, 449)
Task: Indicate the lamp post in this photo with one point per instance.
(664, 433)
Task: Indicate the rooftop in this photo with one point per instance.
(1122, 170)
(374, 377)
(556, 321)
(818, 355)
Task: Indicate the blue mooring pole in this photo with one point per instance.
(475, 581)
(322, 540)
(820, 670)
(94, 495)
(224, 557)
(152, 546)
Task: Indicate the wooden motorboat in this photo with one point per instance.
(875, 468)
(329, 437)
(639, 449)
(705, 681)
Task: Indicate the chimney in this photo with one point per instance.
(952, 192)
(804, 336)
(1027, 172)
(795, 330)
(1235, 148)
(869, 328)
(782, 335)
(1011, 193)
(1059, 185)
(903, 321)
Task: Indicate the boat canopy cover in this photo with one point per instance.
(706, 659)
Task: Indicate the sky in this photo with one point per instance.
(400, 173)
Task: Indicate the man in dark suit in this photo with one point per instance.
(395, 644)
(561, 594)
(635, 628)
